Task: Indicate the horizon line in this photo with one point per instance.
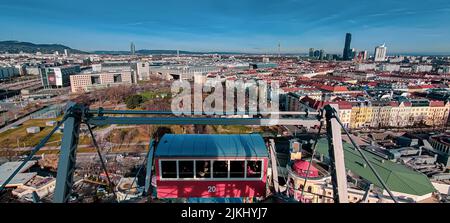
(422, 53)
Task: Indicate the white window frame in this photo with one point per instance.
(262, 169)
(160, 169)
(178, 169)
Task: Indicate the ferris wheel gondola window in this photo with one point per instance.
(169, 169)
(186, 169)
(220, 169)
(203, 168)
(237, 169)
(254, 169)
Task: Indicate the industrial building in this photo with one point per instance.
(404, 182)
(181, 72)
(25, 183)
(314, 186)
(89, 81)
(56, 77)
(21, 178)
(7, 73)
(142, 70)
(441, 145)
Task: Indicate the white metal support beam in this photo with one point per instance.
(273, 159)
(149, 175)
(336, 153)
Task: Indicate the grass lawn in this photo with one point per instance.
(235, 129)
(10, 138)
(152, 94)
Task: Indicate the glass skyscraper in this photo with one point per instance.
(347, 54)
(132, 49)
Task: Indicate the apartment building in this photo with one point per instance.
(438, 113)
(401, 114)
(345, 108)
(379, 114)
(361, 115)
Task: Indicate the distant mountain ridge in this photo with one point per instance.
(12, 46)
(150, 52)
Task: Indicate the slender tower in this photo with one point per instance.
(279, 49)
(132, 49)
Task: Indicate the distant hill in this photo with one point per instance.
(12, 46)
(17, 47)
(156, 52)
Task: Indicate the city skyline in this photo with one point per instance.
(213, 101)
(246, 26)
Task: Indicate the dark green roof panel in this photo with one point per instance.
(398, 177)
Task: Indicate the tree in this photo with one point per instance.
(159, 133)
(119, 94)
(134, 101)
(130, 136)
(83, 99)
(158, 104)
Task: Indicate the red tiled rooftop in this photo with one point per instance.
(426, 86)
(300, 167)
(333, 88)
(393, 104)
(320, 104)
(437, 104)
(291, 89)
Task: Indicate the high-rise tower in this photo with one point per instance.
(321, 54)
(279, 49)
(380, 53)
(347, 54)
(132, 49)
(311, 52)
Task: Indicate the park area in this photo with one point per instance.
(18, 137)
(114, 139)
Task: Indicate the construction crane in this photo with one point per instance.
(77, 114)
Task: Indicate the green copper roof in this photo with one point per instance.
(398, 178)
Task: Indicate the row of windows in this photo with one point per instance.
(441, 147)
(207, 169)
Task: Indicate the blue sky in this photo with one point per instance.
(230, 25)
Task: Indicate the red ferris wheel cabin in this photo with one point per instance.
(208, 166)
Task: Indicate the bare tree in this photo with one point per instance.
(131, 136)
(157, 104)
(160, 132)
(149, 130)
(83, 99)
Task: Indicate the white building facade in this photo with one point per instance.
(380, 53)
